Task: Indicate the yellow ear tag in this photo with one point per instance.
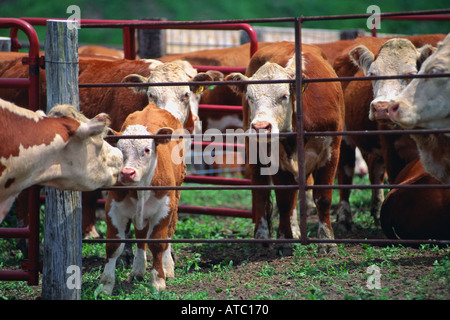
(200, 89)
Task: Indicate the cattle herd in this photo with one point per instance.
(66, 148)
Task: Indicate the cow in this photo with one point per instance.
(416, 213)
(181, 101)
(385, 155)
(64, 150)
(424, 104)
(147, 162)
(101, 51)
(270, 108)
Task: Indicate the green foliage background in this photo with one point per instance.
(187, 10)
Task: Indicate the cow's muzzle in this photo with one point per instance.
(262, 127)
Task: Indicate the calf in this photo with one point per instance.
(66, 152)
(147, 162)
(270, 108)
(424, 104)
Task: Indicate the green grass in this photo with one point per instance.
(208, 271)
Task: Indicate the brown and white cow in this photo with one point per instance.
(421, 213)
(424, 104)
(384, 153)
(270, 108)
(65, 151)
(147, 162)
(181, 101)
(396, 57)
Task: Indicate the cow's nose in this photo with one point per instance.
(380, 110)
(262, 127)
(127, 175)
(393, 110)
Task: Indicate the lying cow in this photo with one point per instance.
(424, 104)
(270, 108)
(66, 152)
(147, 162)
(416, 213)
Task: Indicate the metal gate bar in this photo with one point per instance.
(32, 266)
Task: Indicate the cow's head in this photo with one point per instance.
(424, 102)
(395, 57)
(180, 101)
(87, 161)
(139, 155)
(270, 105)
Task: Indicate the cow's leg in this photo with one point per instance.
(163, 265)
(116, 224)
(345, 173)
(261, 206)
(324, 175)
(140, 256)
(89, 206)
(286, 203)
(376, 167)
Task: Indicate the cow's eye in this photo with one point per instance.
(151, 97)
(186, 96)
(435, 70)
(147, 150)
(284, 97)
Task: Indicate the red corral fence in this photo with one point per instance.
(31, 267)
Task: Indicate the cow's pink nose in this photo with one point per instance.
(380, 110)
(393, 110)
(127, 175)
(262, 127)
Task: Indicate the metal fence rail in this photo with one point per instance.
(129, 27)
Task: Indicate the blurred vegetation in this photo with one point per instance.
(187, 10)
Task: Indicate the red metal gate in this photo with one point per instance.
(129, 27)
(32, 266)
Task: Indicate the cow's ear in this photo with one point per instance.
(163, 131)
(362, 57)
(196, 88)
(424, 52)
(238, 88)
(135, 78)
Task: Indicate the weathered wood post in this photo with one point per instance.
(62, 227)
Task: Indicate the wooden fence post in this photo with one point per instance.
(62, 227)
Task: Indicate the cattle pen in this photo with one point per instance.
(32, 266)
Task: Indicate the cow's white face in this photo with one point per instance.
(87, 161)
(139, 156)
(181, 101)
(396, 57)
(270, 105)
(175, 99)
(425, 102)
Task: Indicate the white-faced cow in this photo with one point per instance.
(147, 162)
(181, 101)
(384, 154)
(424, 104)
(66, 151)
(270, 108)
